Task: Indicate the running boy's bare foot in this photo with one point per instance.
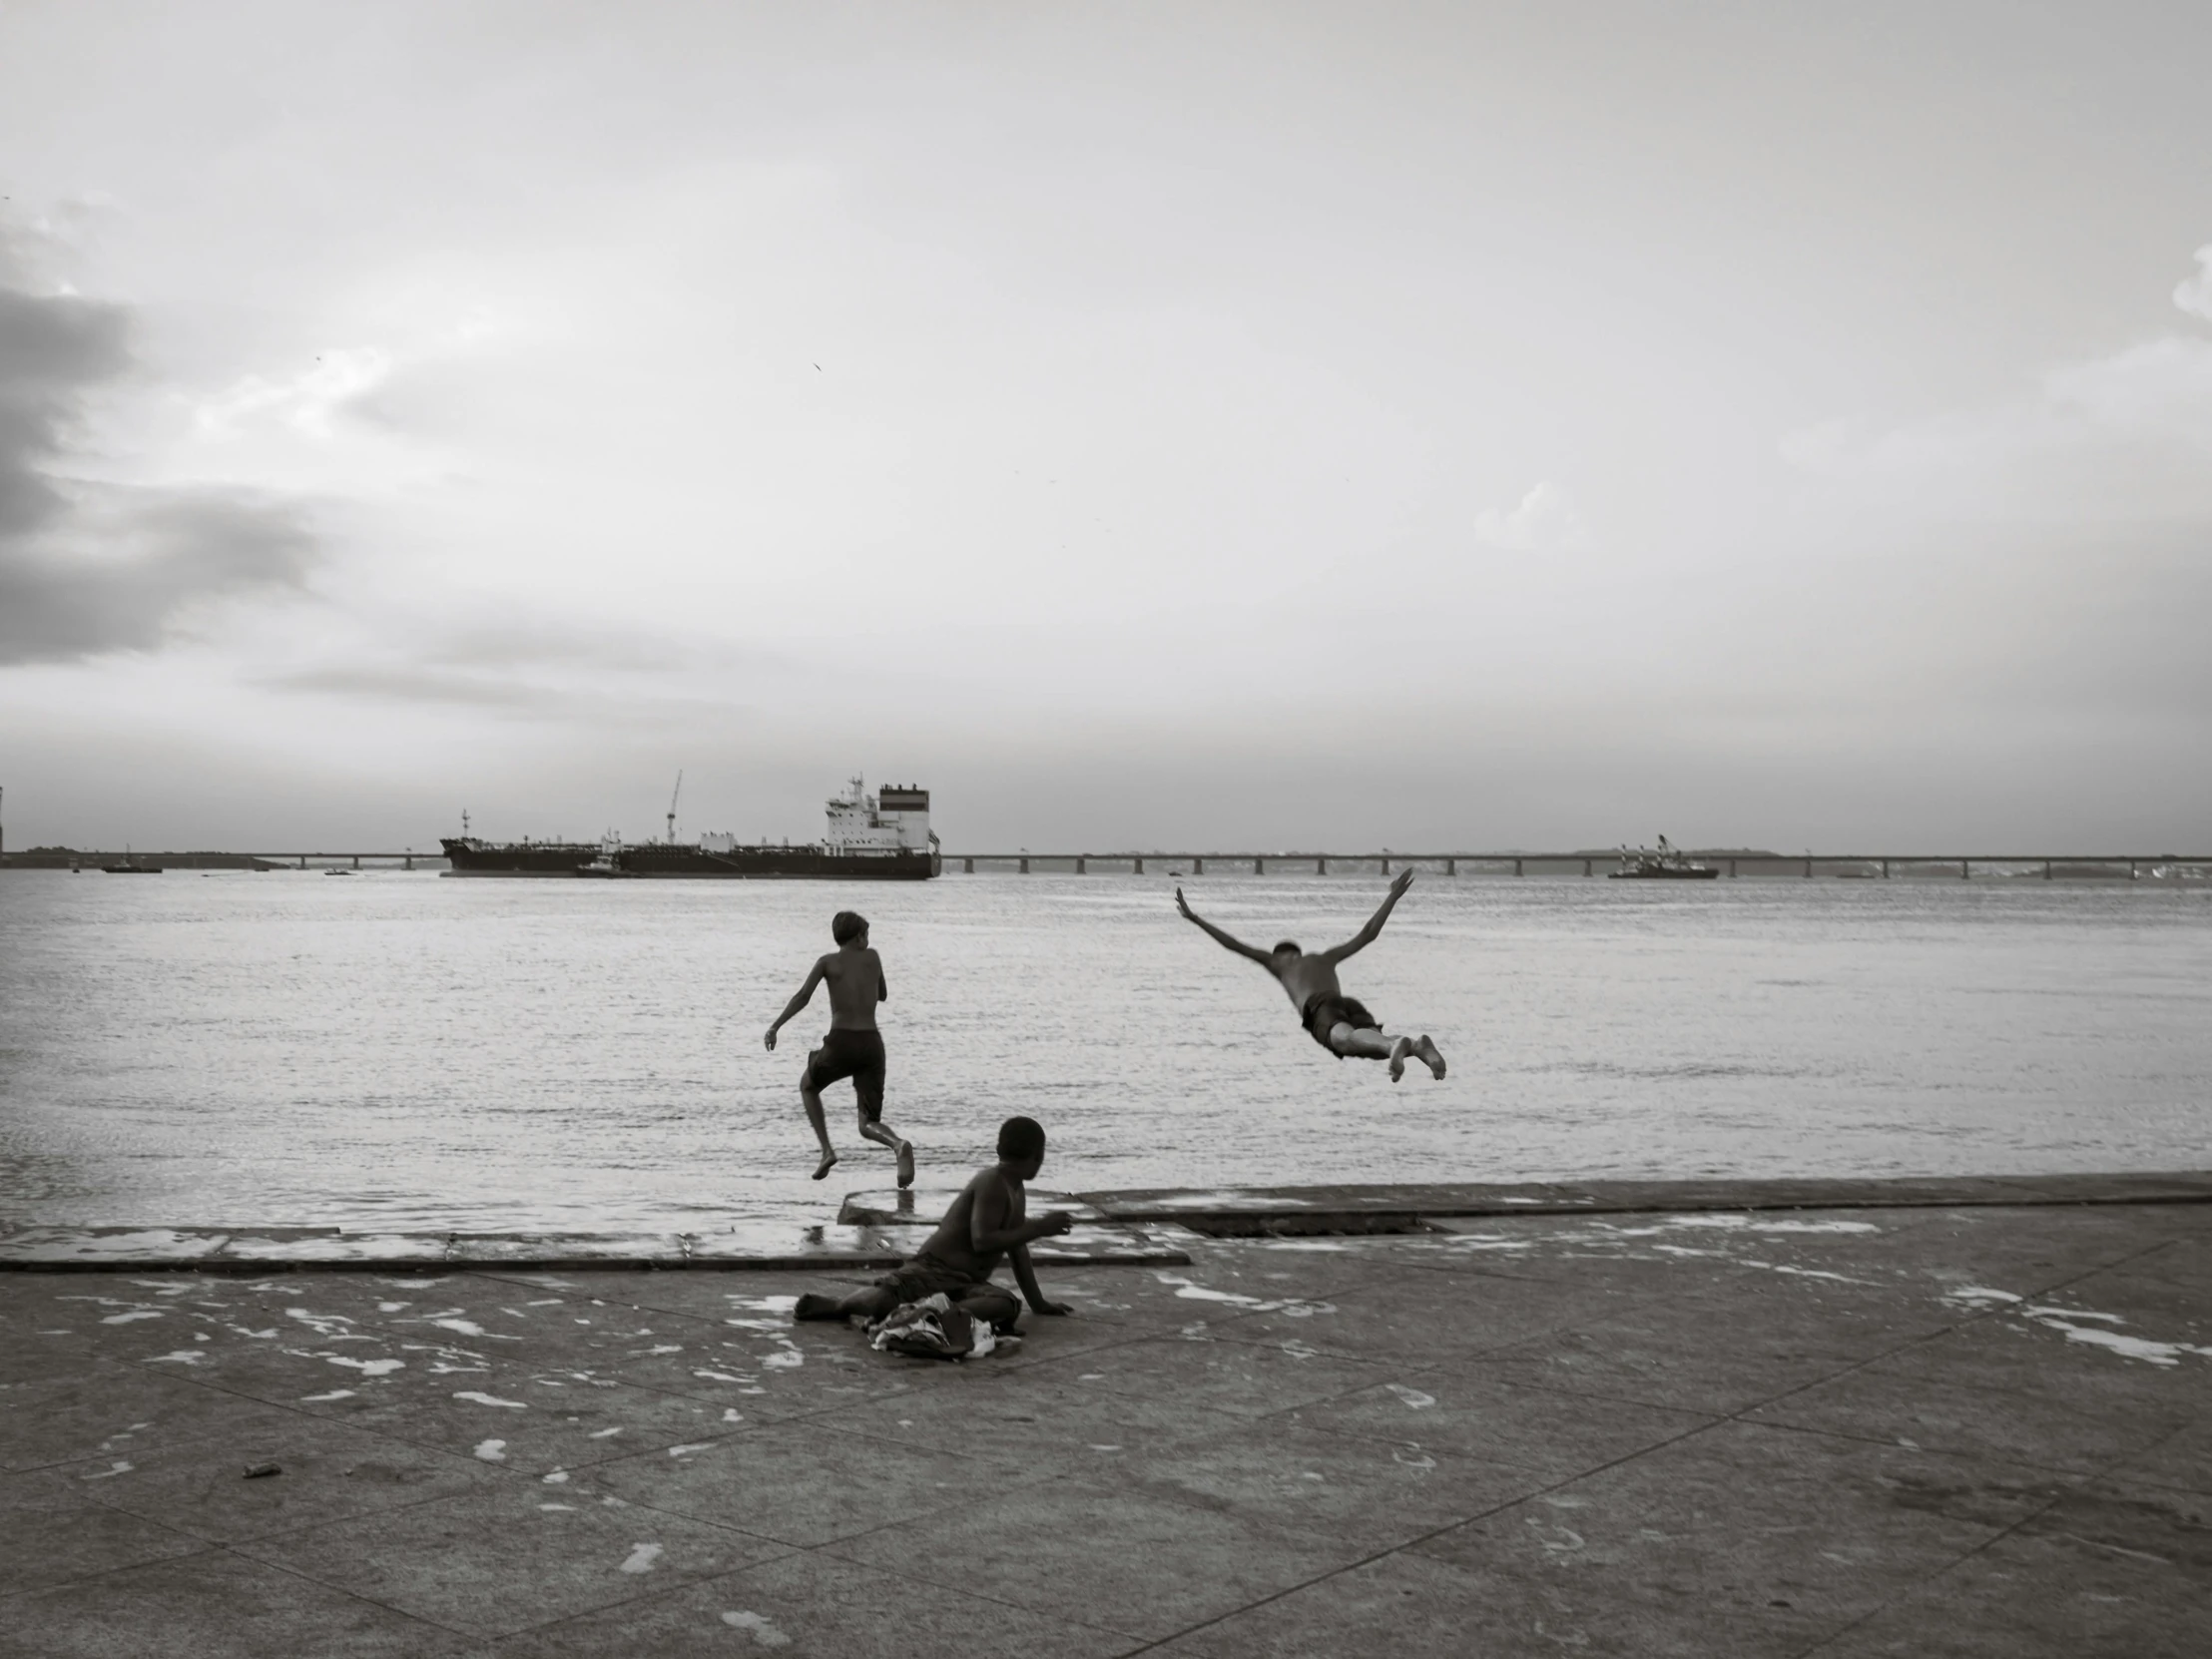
(828, 1158)
(1398, 1052)
(1425, 1052)
(906, 1163)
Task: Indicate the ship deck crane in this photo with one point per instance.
(673, 794)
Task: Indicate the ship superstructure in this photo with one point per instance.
(1668, 863)
(879, 836)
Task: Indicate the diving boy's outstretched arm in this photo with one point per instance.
(1373, 929)
(1226, 941)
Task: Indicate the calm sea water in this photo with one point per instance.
(404, 1051)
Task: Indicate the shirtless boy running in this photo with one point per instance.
(853, 1049)
(987, 1220)
(1340, 1023)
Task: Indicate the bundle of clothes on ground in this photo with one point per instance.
(933, 1329)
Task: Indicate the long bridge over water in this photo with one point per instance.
(1881, 866)
(1579, 862)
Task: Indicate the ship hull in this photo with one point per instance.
(689, 864)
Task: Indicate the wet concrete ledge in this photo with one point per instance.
(258, 1250)
(1138, 1227)
(1235, 1211)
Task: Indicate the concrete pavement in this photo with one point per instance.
(1932, 1429)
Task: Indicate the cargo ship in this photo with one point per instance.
(872, 835)
(1667, 865)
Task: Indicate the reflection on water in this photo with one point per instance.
(402, 1050)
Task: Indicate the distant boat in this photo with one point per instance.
(608, 866)
(132, 867)
(1667, 864)
(337, 871)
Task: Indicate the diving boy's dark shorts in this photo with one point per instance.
(855, 1054)
(1321, 1012)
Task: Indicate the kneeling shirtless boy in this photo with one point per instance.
(987, 1220)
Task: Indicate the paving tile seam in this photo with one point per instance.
(673, 1586)
(2131, 1257)
(205, 1549)
(1707, 1420)
(1402, 1360)
(2057, 1471)
(787, 1545)
(1951, 1329)
(1146, 1644)
(379, 1432)
(1905, 1345)
(967, 1591)
(351, 1595)
(1412, 1545)
(1921, 1584)
(294, 1531)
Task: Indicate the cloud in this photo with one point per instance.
(2136, 423)
(51, 349)
(341, 376)
(2194, 295)
(87, 567)
(160, 555)
(408, 684)
(1546, 521)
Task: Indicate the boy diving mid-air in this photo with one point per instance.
(1340, 1023)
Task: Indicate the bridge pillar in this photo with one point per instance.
(356, 860)
(1732, 869)
(1386, 866)
(2046, 869)
(1025, 867)
(2131, 875)
(1139, 869)
(302, 861)
(1884, 870)
(410, 861)
(1321, 866)
(1082, 864)
(1517, 866)
(1198, 867)
(967, 866)
(1258, 866)
(1451, 867)
(1964, 873)
(1809, 870)
(1585, 867)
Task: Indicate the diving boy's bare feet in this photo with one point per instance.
(906, 1162)
(1398, 1052)
(1425, 1052)
(829, 1159)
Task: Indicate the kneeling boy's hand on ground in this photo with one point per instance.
(1051, 1307)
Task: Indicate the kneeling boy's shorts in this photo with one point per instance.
(855, 1054)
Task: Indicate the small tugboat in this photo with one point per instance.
(131, 866)
(1667, 864)
(608, 865)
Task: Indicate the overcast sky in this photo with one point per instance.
(1455, 427)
